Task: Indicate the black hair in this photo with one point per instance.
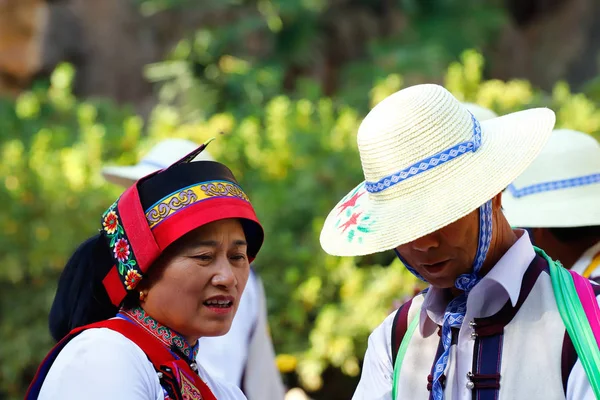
(576, 234)
(80, 297)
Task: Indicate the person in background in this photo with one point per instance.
(558, 199)
(245, 355)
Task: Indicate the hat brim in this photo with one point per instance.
(363, 223)
(564, 208)
(127, 175)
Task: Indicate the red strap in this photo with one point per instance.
(154, 349)
(135, 224)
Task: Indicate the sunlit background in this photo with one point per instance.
(283, 86)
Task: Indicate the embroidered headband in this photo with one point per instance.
(553, 185)
(430, 162)
(161, 208)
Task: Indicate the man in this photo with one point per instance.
(432, 192)
(558, 199)
(245, 355)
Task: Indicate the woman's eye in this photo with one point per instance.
(203, 257)
(238, 257)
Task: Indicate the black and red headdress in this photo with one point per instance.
(164, 206)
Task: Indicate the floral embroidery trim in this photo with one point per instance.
(166, 335)
(190, 195)
(188, 390)
(111, 222)
(127, 265)
(352, 220)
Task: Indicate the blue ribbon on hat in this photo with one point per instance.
(553, 185)
(455, 311)
(436, 160)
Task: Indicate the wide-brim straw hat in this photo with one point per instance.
(480, 112)
(162, 155)
(561, 188)
(416, 152)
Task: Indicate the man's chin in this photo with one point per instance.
(441, 283)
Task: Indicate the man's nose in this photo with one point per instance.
(425, 243)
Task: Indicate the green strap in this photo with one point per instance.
(402, 352)
(576, 321)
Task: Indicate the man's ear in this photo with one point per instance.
(497, 202)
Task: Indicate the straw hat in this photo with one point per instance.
(159, 157)
(427, 163)
(479, 112)
(561, 188)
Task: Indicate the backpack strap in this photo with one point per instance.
(568, 359)
(580, 313)
(569, 355)
(399, 327)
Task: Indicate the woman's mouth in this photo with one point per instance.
(220, 304)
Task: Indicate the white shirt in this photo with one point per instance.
(586, 259)
(101, 364)
(502, 283)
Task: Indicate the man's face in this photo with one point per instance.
(445, 254)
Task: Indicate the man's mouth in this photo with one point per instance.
(436, 266)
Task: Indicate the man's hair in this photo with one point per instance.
(575, 234)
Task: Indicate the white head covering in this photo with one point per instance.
(159, 157)
(561, 188)
(427, 163)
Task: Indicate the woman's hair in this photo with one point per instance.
(80, 297)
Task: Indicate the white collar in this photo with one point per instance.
(503, 282)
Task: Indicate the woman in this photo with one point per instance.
(168, 267)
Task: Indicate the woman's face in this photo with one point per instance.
(196, 284)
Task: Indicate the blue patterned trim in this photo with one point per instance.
(430, 162)
(553, 185)
(457, 308)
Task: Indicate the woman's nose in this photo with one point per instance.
(224, 276)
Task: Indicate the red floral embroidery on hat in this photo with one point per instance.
(132, 279)
(122, 250)
(351, 203)
(111, 222)
(123, 254)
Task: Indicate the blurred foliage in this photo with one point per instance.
(294, 157)
(307, 48)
